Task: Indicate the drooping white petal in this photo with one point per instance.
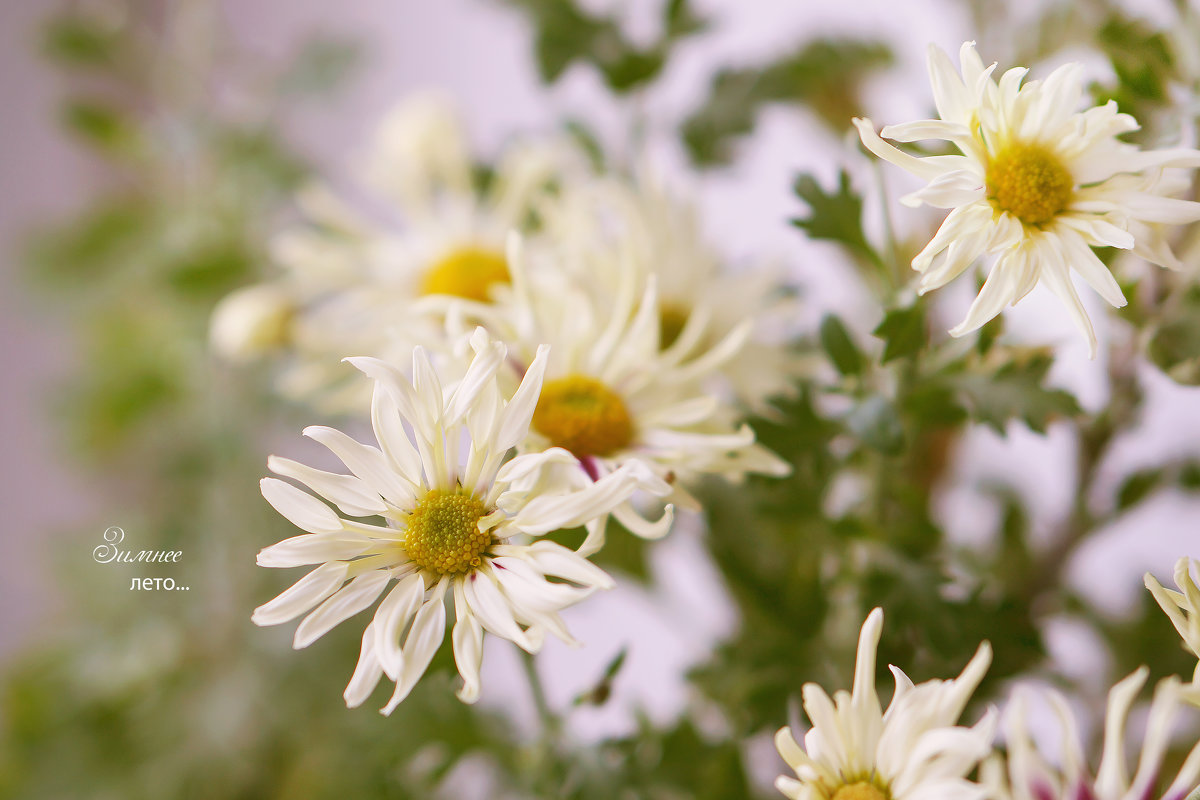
(302, 595)
(300, 508)
(367, 672)
(347, 492)
(351, 599)
(313, 548)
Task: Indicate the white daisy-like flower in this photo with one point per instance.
(912, 751)
(1028, 776)
(1036, 186)
(613, 396)
(457, 522)
(607, 226)
(353, 271)
(1181, 607)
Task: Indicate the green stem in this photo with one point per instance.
(550, 722)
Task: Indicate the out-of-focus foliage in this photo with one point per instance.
(566, 33)
(823, 76)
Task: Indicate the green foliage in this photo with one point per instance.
(566, 34)
(823, 76)
(834, 217)
(903, 332)
(840, 347)
(1142, 60)
(1016, 390)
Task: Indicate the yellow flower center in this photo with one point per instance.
(671, 321)
(468, 272)
(862, 790)
(583, 415)
(1030, 182)
(443, 533)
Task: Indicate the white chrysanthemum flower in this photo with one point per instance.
(913, 751)
(1181, 607)
(433, 230)
(252, 322)
(456, 519)
(612, 395)
(607, 226)
(1030, 777)
(1037, 186)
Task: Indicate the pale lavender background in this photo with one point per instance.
(479, 52)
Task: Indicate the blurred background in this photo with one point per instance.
(149, 150)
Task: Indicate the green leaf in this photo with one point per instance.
(823, 75)
(1016, 390)
(877, 424)
(1174, 344)
(833, 216)
(565, 34)
(98, 123)
(73, 40)
(840, 346)
(903, 332)
(1136, 487)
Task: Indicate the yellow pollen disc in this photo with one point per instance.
(443, 533)
(583, 415)
(671, 320)
(467, 272)
(1030, 182)
(859, 791)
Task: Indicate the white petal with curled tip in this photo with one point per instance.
(1112, 779)
(554, 559)
(392, 617)
(1058, 280)
(549, 513)
(489, 605)
(347, 492)
(998, 290)
(366, 673)
(467, 638)
(526, 588)
(368, 463)
(641, 526)
(489, 355)
(514, 424)
(313, 548)
(300, 508)
(302, 595)
(388, 424)
(427, 632)
(351, 599)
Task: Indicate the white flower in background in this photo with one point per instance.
(913, 751)
(608, 226)
(612, 395)
(1037, 186)
(1030, 777)
(252, 322)
(1181, 607)
(457, 522)
(354, 271)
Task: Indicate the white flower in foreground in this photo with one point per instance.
(1181, 607)
(1037, 185)
(913, 751)
(613, 397)
(1030, 777)
(457, 520)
